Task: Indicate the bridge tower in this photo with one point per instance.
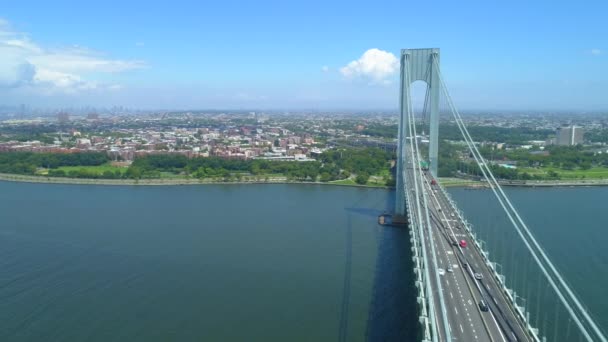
(417, 65)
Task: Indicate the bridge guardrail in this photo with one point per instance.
(419, 264)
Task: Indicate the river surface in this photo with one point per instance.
(202, 263)
(248, 262)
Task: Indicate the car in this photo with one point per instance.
(483, 306)
(463, 244)
(441, 271)
(478, 276)
(449, 269)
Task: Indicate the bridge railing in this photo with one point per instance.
(419, 263)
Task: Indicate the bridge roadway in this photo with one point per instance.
(462, 292)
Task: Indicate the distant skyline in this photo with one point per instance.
(542, 55)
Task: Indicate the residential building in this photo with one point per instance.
(569, 135)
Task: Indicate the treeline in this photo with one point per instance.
(331, 165)
(27, 162)
(558, 157)
(450, 131)
(597, 135)
(510, 136)
(383, 131)
(28, 133)
(564, 157)
(213, 167)
(363, 162)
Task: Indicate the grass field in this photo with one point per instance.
(593, 173)
(100, 169)
(373, 181)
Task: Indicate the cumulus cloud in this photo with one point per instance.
(68, 69)
(375, 64)
(596, 52)
(17, 75)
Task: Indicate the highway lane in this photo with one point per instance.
(466, 319)
(430, 266)
(462, 311)
(461, 291)
(502, 322)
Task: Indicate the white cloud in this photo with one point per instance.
(596, 52)
(376, 65)
(140, 44)
(68, 69)
(325, 68)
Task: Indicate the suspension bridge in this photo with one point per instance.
(464, 291)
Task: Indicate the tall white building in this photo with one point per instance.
(569, 135)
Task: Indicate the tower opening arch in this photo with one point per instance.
(417, 65)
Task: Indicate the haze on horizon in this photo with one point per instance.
(311, 55)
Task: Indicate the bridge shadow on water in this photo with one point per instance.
(392, 314)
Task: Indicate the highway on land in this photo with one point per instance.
(457, 266)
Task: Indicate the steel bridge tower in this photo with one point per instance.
(417, 65)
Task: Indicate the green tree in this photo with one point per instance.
(362, 178)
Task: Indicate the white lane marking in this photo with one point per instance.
(499, 330)
(451, 295)
(461, 330)
(456, 310)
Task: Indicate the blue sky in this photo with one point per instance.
(295, 55)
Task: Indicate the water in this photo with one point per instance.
(570, 224)
(202, 263)
(255, 262)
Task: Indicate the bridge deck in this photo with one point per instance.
(462, 292)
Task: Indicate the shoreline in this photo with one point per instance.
(157, 181)
(446, 182)
(474, 185)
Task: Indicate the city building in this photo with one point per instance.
(569, 135)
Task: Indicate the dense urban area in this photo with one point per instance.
(340, 148)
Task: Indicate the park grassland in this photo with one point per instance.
(592, 173)
(99, 169)
(168, 178)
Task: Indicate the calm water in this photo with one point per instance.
(252, 262)
(194, 263)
